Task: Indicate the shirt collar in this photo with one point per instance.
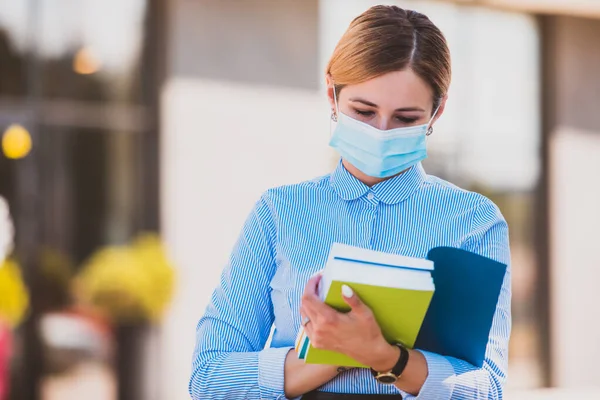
(390, 191)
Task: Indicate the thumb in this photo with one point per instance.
(352, 299)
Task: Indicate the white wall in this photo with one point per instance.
(575, 201)
(223, 144)
(241, 112)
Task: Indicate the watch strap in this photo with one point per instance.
(402, 361)
(400, 365)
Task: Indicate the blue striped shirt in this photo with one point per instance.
(286, 239)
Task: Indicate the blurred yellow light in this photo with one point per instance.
(16, 142)
(85, 63)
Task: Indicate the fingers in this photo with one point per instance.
(317, 311)
(312, 305)
(323, 319)
(312, 285)
(353, 300)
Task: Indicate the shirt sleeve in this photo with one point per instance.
(229, 360)
(451, 378)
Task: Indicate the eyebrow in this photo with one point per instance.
(370, 104)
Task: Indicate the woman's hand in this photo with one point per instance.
(355, 334)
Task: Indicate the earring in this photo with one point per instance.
(333, 116)
(430, 131)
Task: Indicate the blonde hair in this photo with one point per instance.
(385, 39)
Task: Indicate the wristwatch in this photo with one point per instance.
(392, 376)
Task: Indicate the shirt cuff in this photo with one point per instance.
(271, 371)
(439, 383)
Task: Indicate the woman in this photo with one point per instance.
(387, 82)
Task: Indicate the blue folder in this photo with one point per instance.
(459, 318)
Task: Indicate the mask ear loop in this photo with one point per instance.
(334, 113)
(430, 127)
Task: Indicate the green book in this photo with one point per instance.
(398, 290)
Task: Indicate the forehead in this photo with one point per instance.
(393, 90)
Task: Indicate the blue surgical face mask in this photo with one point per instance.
(378, 153)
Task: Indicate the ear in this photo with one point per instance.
(330, 89)
(440, 110)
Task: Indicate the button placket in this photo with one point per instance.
(371, 211)
(374, 215)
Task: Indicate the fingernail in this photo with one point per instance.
(318, 273)
(347, 291)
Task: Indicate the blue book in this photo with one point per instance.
(459, 318)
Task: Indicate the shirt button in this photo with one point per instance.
(370, 196)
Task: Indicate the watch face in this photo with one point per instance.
(387, 379)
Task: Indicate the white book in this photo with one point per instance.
(351, 264)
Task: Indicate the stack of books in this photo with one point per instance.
(444, 303)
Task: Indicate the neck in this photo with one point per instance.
(366, 179)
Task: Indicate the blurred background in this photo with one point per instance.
(137, 135)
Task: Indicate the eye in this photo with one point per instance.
(364, 113)
(407, 120)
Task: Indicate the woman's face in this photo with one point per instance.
(394, 100)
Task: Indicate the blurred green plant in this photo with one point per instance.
(129, 284)
(56, 270)
(14, 297)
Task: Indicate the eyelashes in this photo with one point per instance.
(403, 120)
(365, 113)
